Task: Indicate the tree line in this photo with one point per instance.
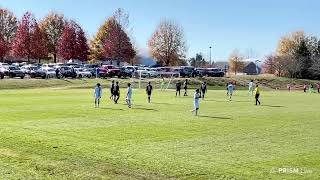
(297, 56)
(59, 38)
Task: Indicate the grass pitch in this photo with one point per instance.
(57, 133)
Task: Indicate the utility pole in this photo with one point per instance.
(210, 55)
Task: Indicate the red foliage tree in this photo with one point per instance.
(30, 41)
(117, 45)
(82, 47)
(3, 47)
(73, 43)
(21, 47)
(39, 48)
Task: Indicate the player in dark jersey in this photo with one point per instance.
(149, 91)
(178, 88)
(203, 89)
(185, 87)
(112, 90)
(116, 93)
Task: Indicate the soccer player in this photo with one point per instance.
(97, 95)
(318, 87)
(112, 88)
(203, 89)
(185, 88)
(251, 87)
(178, 88)
(149, 91)
(129, 95)
(196, 98)
(257, 91)
(116, 93)
(227, 89)
(230, 90)
(311, 90)
(162, 84)
(304, 88)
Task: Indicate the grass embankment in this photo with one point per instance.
(267, 82)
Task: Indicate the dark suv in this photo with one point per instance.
(214, 72)
(186, 71)
(16, 72)
(1, 75)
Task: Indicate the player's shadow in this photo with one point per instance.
(145, 109)
(116, 109)
(214, 117)
(274, 106)
(161, 103)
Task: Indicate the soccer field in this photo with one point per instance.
(57, 133)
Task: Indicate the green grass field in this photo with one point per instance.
(56, 133)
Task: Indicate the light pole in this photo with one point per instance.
(210, 54)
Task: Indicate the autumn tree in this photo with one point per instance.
(8, 29)
(167, 44)
(97, 43)
(295, 49)
(39, 49)
(73, 43)
(117, 43)
(53, 26)
(29, 41)
(269, 64)
(3, 47)
(236, 63)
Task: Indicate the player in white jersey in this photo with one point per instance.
(97, 95)
(196, 104)
(230, 90)
(129, 95)
(251, 88)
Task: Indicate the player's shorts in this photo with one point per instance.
(116, 93)
(178, 89)
(250, 88)
(149, 93)
(98, 97)
(203, 92)
(257, 96)
(230, 92)
(196, 105)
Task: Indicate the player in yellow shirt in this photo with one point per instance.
(257, 92)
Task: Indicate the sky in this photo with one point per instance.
(251, 26)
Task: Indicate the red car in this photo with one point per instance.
(109, 71)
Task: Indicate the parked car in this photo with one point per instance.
(38, 73)
(16, 72)
(186, 71)
(214, 72)
(109, 71)
(66, 72)
(1, 75)
(131, 68)
(4, 70)
(50, 72)
(92, 68)
(142, 72)
(29, 69)
(200, 72)
(82, 73)
(153, 72)
(126, 73)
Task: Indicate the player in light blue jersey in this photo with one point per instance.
(129, 95)
(97, 95)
